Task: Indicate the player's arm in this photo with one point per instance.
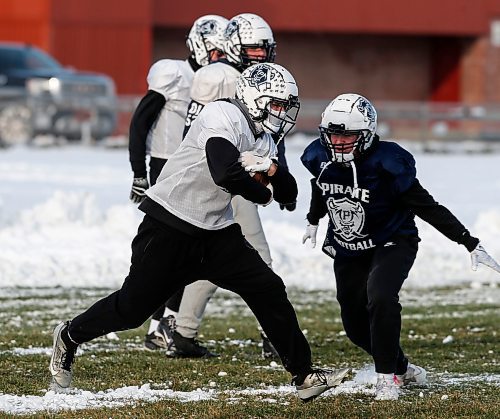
(424, 205)
(317, 207)
(317, 210)
(285, 189)
(143, 119)
(421, 202)
(290, 206)
(227, 172)
(281, 153)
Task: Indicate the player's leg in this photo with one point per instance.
(197, 295)
(390, 267)
(195, 299)
(239, 268)
(351, 275)
(162, 324)
(246, 214)
(162, 260)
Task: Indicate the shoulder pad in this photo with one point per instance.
(163, 75)
(399, 163)
(219, 119)
(313, 156)
(214, 81)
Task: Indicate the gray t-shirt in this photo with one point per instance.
(185, 186)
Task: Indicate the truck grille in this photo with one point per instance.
(87, 89)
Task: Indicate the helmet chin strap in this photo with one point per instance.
(258, 127)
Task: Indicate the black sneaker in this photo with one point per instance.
(268, 349)
(190, 348)
(161, 338)
(63, 356)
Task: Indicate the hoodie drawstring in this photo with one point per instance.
(320, 173)
(354, 174)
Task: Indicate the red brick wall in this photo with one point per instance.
(113, 37)
(473, 82)
(26, 21)
(325, 65)
(423, 17)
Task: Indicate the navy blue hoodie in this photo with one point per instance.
(373, 201)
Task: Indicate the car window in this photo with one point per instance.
(36, 59)
(11, 59)
(25, 59)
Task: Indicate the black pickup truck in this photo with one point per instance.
(39, 96)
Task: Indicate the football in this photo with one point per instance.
(261, 177)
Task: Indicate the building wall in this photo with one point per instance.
(112, 36)
(423, 17)
(26, 21)
(390, 50)
(324, 65)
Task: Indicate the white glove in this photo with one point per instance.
(311, 231)
(479, 255)
(254, 163)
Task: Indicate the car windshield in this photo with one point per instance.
(25, 59)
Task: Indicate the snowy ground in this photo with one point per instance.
(77, 399)
(65, 219)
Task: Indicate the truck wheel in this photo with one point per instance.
(15, 125)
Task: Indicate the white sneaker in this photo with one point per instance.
(62, 358)
(413, 375)
(387, 387)
(318, 381)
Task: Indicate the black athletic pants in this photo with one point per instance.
(368, 293)
(165, 259)
(174, 302)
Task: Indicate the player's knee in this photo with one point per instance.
(276, 285)
(382, 301)
(133, 318)
(134, 321)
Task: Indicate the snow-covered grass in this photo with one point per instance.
(65, 230)
(119, 377)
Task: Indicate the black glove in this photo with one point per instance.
(139, 187)
(289, 207)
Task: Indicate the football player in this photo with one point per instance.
(248, 40)
(188, 232)
(156, 130)
(371, 194)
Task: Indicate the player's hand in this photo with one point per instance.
(270, 187)
(311, 231)
(288, 207)
(138, 191)
(479, 255)
(252, 162)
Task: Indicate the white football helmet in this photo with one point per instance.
(248, 31)
(348, 114)
(206, 35)
(271, 96)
